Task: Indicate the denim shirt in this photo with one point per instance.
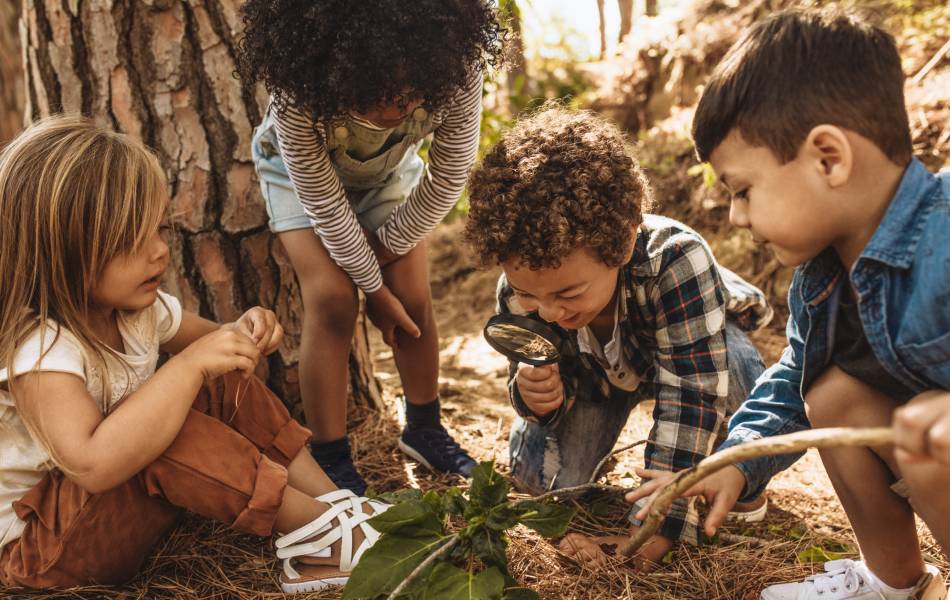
(902, 280)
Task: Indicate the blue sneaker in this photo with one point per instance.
(435, 448)
(336, 461)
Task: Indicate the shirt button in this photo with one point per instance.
(341, 133)
(420, 114)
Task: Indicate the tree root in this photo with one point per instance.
(832, 437)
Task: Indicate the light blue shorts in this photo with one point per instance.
(372, 206)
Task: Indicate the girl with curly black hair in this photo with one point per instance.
(356, 87)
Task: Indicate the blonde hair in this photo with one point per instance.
(73, 196)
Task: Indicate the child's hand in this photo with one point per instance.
(541, 388)
(222, 351)
(721, 490)
(922, 428)
(600, 551)
(262, 327)
(387, 313)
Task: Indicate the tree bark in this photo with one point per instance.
(11, 72)
(626, 18)
(602, 26)
(163, 71)
(516, 73)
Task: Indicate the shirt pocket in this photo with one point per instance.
(929, 360)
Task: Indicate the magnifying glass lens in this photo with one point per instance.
(523, 340)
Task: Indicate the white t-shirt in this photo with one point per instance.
(24, 462)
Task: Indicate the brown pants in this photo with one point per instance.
(228, 463)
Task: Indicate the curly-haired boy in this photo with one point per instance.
(558, 204)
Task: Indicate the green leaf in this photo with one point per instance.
(387, 563)
(413, 518)
(395, 497)
(828, 551)
(490, 546)
(453, 502)
(489, 488)
(550, 520)
(448, 582)
(502, 517)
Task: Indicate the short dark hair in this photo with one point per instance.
(330, 57)
(801, 68)
(557, 181)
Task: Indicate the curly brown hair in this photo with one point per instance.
(558, 180)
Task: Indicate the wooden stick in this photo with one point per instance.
(832, 437)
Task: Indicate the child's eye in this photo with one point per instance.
(742, 195)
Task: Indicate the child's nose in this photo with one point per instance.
(738, 215)
(159, 249)
(550, 312)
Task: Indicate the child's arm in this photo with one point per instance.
(451, 156)
(100, 452)
(775, 406)
(922, 428)
(690, 359)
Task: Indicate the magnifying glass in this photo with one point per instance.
(525, 340)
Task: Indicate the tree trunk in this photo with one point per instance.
(163, 71)
(516, 71)
(626, 18)
(11, 72)
(602, 25)
(652, 8)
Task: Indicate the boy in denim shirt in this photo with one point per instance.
(639, 298)
(804, 121)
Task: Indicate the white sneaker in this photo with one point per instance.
(850, 580)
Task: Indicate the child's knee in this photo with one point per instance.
(928, 481)
(837, 399)
(333, 311)
(420, 309)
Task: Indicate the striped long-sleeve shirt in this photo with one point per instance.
(320, 192)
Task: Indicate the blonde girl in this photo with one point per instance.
(100, 452)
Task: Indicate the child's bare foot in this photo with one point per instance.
(600, 551)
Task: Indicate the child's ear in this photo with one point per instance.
(829, 150)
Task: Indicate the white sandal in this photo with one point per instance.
(347, 508)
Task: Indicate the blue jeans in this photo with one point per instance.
(543, 459)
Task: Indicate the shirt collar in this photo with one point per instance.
(895, 240)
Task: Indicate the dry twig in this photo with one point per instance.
(831, 437)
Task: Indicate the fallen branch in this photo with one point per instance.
(832, 437)
(579, 490)
(603, 461)
(933, 62)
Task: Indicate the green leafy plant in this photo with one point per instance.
(417, 557)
